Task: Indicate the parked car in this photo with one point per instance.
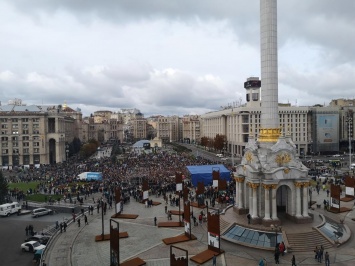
(40, 212)
(39, 238)
(32, 246)
(224, 159)
(220, 155)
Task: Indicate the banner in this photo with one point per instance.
(179, 187)
(334, 203)
(213, 240)
(145, 194)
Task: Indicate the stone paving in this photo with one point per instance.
(77, 246)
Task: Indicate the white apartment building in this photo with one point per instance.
(237, 123)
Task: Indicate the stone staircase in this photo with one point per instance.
(224, 225)
(305, 242)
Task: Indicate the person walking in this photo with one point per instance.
(65, 226)
(78, 222)
(293, 260)
(277, 256)
(155, 221)
(61, 227)
(26, 229)
(86, 219)
(326, 258)
(214, 260)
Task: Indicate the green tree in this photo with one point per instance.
(204, 142)
(219, 142)
(4, 188)
(89, 148)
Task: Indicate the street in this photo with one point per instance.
(12, 231)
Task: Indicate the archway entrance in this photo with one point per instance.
(52, 151)
(283, 199)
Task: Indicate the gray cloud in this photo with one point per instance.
(90, 52)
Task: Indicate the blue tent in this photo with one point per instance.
(203, 173)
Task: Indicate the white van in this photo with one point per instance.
(9, 208)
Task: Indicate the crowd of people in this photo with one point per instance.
(158, 169)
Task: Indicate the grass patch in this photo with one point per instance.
(42, 197)
(24, 186)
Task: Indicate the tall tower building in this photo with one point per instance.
(270, 130)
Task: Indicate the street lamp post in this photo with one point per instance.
(276, 228)
(349, 121)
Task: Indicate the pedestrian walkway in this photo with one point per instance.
(77, 246)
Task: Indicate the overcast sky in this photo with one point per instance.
(170, 56)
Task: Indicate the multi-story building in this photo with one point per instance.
(168, 128)
(191, 129)
(305, 124)
(139, 127)
(34, 134)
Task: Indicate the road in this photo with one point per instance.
(12, 231)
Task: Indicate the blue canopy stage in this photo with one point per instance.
(203, 173)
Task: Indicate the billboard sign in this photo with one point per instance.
(327, 128)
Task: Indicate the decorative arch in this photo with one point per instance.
(52, 151)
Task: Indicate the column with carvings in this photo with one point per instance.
(273, 202)
(298, 199)
(254, 187)
(250, 203)
(236, 202)
(240, 192)
(305, 199)
(267, 201)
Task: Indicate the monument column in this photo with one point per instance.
(267, 201)
(298, 199)
(305, 199)
(273, 203)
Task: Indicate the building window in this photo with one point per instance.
(14, 144)
(4, 138)
(26, 150)
(3, 132)
(4, 145)
(14, 125)
(35, 119)
(25, 131)
(4, 126)
(35, 144)
(35, 131)
(15, 151)
(3, 120)
(25, 138)
(24, 119)
(35, 125)
(14, 120)
(5, 151)
(24, 125)
(26, 144)
(15, 132)
(36, 150)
